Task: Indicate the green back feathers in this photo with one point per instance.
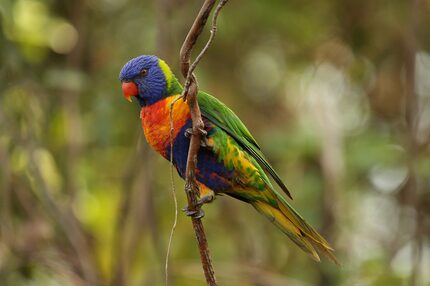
(214, 109)
(219, 114)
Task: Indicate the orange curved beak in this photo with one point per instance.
(129, 89)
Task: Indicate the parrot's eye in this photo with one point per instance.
(143, 73)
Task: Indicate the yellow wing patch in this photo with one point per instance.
(234, 157)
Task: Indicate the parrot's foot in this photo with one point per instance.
(194, 214)
(206, 199)
(203, 141)
(206, 196)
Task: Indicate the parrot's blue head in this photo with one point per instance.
(146, 78)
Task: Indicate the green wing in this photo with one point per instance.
(222, 116)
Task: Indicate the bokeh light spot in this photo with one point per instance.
(63, 38)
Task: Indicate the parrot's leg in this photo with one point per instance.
(206, 196)
(206, 200)
(204, 139)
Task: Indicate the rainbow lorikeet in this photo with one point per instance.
(230, 161)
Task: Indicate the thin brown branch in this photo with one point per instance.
(193, 66)
(190, 94)
(193, 34)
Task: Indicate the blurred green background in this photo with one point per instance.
(337, 93)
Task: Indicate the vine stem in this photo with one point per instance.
(175, 200)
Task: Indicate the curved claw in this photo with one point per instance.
(189, 132)
(203, 132)
(194, 214)
(204, 141)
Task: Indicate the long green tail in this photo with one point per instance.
(293, 225)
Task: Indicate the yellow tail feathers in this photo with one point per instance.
(290, 222)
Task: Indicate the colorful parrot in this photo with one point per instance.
(230, 160)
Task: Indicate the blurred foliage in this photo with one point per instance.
(337, 92)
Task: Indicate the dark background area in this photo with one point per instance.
(336, 92)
